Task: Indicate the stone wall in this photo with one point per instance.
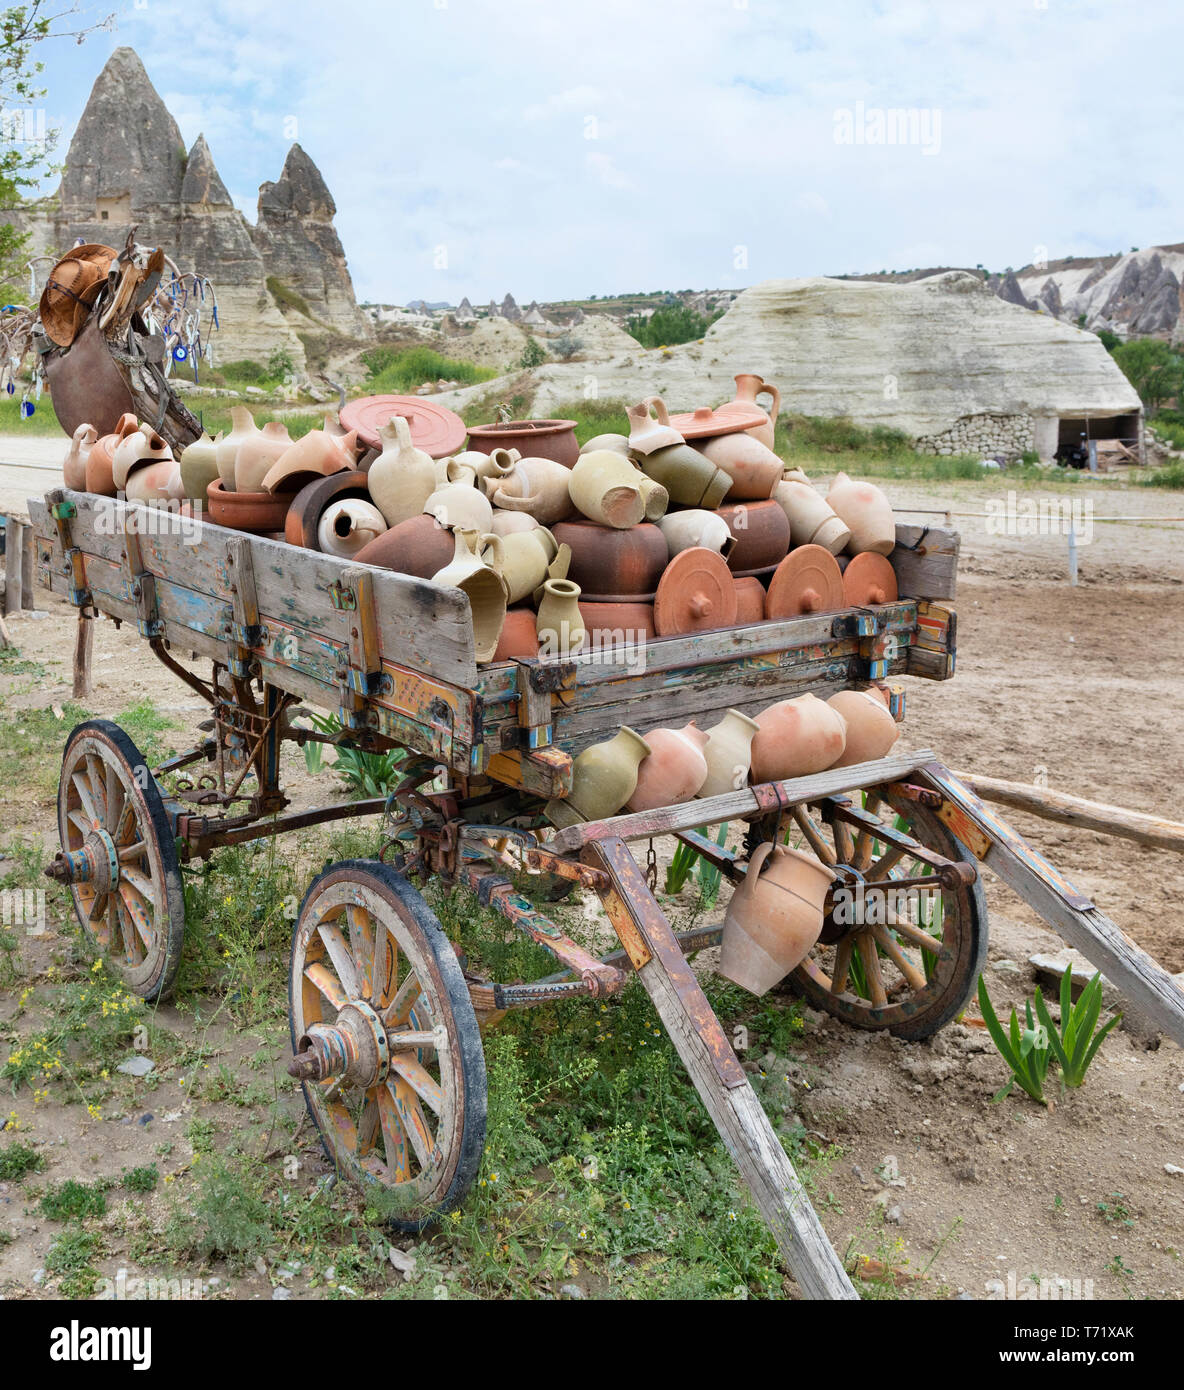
(984, 435)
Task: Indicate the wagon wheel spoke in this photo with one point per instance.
(394, 1142)
(137, 941)
(813, 835)
(79, 821)
(361, 938)
(327, 984)
(414, 1125)
(399, 1009)
(339, 953)
(842, 966)
(419, 1079)
(82, 787)
(96, 779)
(386, 970)
(914, 935)
(870, 960)
(133, 853)
(368, 1128)
(891, 948)
(865, 839)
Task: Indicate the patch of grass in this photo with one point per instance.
(288, 298)
(17, 1161)
(73, 1200)
(399, 371)
(1171, 475)
(70, 1256)
(227, 1216)
(31, 742)
(142, 1179)
(144, 723)
(42, 422)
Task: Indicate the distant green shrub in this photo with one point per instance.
(533, 355)
(669, 325)
(400, 371)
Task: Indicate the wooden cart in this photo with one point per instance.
(386, 1024)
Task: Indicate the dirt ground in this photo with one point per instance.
(1078, 681)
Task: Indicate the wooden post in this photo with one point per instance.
(13, 545)
(28, 541)
(84, 642)
(720, 1080)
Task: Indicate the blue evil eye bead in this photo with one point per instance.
(179, 354)
(215, 313)
(9, 309)
(11, 389)
(27, 409)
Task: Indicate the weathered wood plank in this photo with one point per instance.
(84, 643)
(13, 545)
(926, 561)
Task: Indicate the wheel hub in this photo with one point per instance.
(354, 1047)
(96, 863)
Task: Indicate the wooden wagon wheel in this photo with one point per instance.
(119, 858)
(386, 1041)
(910, 967)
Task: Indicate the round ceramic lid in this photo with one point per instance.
(808, 580)
(869, 578)
(435, 429)
(694, 593)
(727, 419)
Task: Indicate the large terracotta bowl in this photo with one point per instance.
(259, 512)
(611, 565)
(538, 439)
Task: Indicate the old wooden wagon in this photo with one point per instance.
(386, 1024)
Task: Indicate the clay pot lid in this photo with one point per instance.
(869, 578)
(695, 592)
(726, 419)
(808, 580)
(435, 429)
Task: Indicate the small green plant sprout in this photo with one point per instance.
(1076, 1045)
(1027, 1052)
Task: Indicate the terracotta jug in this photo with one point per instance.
(646, 434)
(199, 467)
(618, 443)
(866, 512)
(604, 487)
(242, 427)
(74, 464)
(402, 477)
(871, 729)
(100, 462)
(470, 572)
(560, 625)
(774, 917)
(460, 505)
(812, 520)
(257, 453)
(527, 556)
(418, 546)
(136, 450)
(158, 480)
(795, 738)
(695, 527)
(534, 485)
(347, 526)
(729, 753)
(689, 477)
(317, 455)
(603, 778)
(754, 470)
(748, 388)
(674, 770)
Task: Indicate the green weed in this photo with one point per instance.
(17, 1161)
(73, 1200)
(70, 1256)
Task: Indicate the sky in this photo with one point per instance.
(562, 148)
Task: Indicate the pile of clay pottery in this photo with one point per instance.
(134, 462)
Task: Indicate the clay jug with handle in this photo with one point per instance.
(402, 477)
(74, 464)
(729, 753)
(748, 387)
(774, 917)
(470, 572)
(603, 778)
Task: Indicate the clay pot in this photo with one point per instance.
(483, 586)
(540, 439)
(402, 477)
(418, 546)
(260, 512)
(482, 465)
(317, 455)
(604, 487)
(199, 467)
(689, 477)
(527, 556)
(797, 737)
(618, 624)
(257, 453)
(242, 427)
(696, 527)
(729, 753)
(603, 778)
(866, 512)
(811, 519)
(871, 729)
(99, 465)
(137, 449)
(74, 464)
(762, 536)
(309, 504)
(156, 482)
(518, 640)
(647, 435)
(534, 485)
(754, 470)
(674, 770)
(618, 443)
(459, 505)
(750, 601)
(623, 566)
(511, 523)
(347, 526)
(560, 625)
(774, 917)
(748, 388)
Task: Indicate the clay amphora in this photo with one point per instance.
(866, 512)
(482, 465)
(460, 505)
(689, 477)
(347, 526)
(484, 587)
(534, 485)
(199, 467)
(257, 453)
(774, 917)
(74, 464)
(156, 481)
(100, 462)
(797, 737)
(674, 770)
(317, 455)
(526, 558)
(402, 477)
(604, 487)
(754, 470)
(136, 450)
(603, 778)
(729, 753)
(646, 435)
(812, 520)
(418, 546)
(871, 729)
(560, 625)
(748, 388)
(242, 427)
(618, 443)
(695, 527)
